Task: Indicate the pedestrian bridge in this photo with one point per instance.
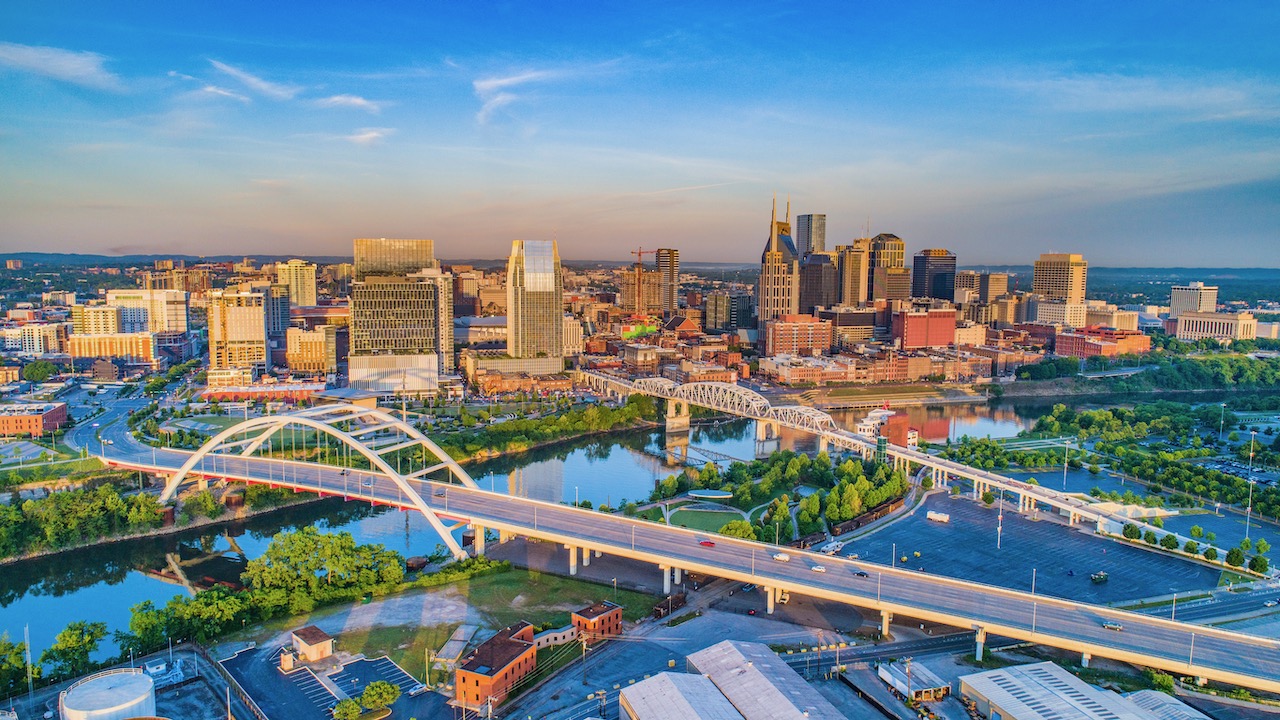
(371, 456)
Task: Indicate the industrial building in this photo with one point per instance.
(675, 696)
(760, 684)
(109, 695)
(1045, 691)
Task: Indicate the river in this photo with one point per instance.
(102, 583)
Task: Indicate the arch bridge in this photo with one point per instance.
(349, 436)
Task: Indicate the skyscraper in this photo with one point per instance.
(811, 234)
(383, 256)
(641, 290)
(668, 261)
(727, 310)
(150, 310)
(987, 287)
(535, 300)
(778, 292)
(1192, 297)
(300, 276)
(886, 251)
(1060, 276)
(853, 262)
(237, 332)
(819, 281)
(933, 274)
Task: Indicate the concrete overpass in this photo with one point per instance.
(443, 491)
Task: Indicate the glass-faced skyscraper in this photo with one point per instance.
(535, 300)
(389, 256)
(933, 274)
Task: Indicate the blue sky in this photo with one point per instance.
(1136, 133)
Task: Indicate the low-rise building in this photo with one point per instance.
(675, 696)
(485, 677)
(1193, 326)
(798, 335)
(311, 643)
(599, 621)
(1041, 691)
(931, 328)
(1101, 342)
(32, 418)
(759, 684)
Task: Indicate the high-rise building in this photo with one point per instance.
(885, 250)
(891, 283)
(641, 290)
(1192, 297)
(668, 262)
(853, 263)
(404, 315)
(819, 281)
(312, 351)
(300, 277)
(933, 274)
(95, 319)
(728, 310)
(237, 331)
(151, 310)
(811, 234)
(535, 300)
(1060, 276)
(383, 256)
(778, 292)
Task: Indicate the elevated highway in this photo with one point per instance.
(444, 492)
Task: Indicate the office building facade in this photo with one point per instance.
(300, 277)
(535, 300)
(933, 274)
(668, 262)
(811, 234)
(151, 310)
(778, 291)
(854, 263)
(728, 310)
(885, 251)
(1193, 297)
(386, 256)
(1060, 276)
(237, 331)
(819, 281)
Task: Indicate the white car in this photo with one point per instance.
(781, 557)
(1270, 603)
(818, 568)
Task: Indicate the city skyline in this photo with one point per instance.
(1131, 141)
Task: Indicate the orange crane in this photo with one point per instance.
(640, 252)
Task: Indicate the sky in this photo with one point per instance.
(1136, 133)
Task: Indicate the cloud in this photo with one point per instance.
(350, 101)
(223, 92)
(369, 136)
(1111, 92)
(493, 91)
(257, 84)
(80, 68)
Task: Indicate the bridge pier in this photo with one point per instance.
(677, 416)
(767, 430)
(771, 595)
(981, 637)
(586, 557)
(666, 579)
(823, 443)
(573, 560)
(479, 541)
(885, 618)
(1084, 659)
(678, 575)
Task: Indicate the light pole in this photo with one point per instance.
(1000, 520)
(1066, 457)
(1248, 513)
(1221, 416)
(893, 561)
(575, 496)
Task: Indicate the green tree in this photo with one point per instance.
(13, 666)
(988, 497)
(1169, 542)
(1197, 532)
(739, 529)
(1246, 544)
(1258, 564)
(1191, 548)
(39, 371)
(1210, 554)
(1132, 531)
(348, 709)
(1149, 537)
(148, 628)
(69, 654)
(1262, 546)
(379, 694)
(1235, 557)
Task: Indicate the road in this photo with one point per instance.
(1178, 647)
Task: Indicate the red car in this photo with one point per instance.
(707, 543)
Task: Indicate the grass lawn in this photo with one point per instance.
(221, 421)
(1234, 578)
(709, 520)
(538, 598)
(405, 645)
(653, 514)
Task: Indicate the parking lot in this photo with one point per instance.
(355, 675)
(1064, 558)
(297, 696)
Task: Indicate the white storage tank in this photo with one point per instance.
(111, 695)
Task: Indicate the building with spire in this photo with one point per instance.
(778, 292)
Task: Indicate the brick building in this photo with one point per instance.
(32, 418)
(489, 672)
(597, 622)
(797, 335)
(935, 327)
(1101, 342)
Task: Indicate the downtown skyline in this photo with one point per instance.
(1141, 138)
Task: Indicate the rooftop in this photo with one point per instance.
(499, 651)
(29, 408)
(312, 635)
(759, 683)
(676, 696)
(591, 612)
(1044, 690)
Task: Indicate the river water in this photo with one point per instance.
(104, 582)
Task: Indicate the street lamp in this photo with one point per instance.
(1221, 416)
(1000, 520)
(1066, 457)
(1248, 513)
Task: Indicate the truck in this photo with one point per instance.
(668, 605)
(938, 516)
(832, 548)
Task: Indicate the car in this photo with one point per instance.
(95, 425)
(752, 611)
(439, 492)
(781, 557)
(748, 587)
(1270, 603)
(862, 573)
(818, 568)
(1113, 625)
(853, 556)
(706, 543)
(367, 482)
(344, 471)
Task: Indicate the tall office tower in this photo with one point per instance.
(727, 310)
(819, 281)
(641, 290)
(382, 256)
(853, 262)
(237, 331)
(891, 283)
(778, 291)
(1060, 276)
(151, 310)
(986, 287)
(885, 251)
(95, 319)
(933, 274)
(466, 292)
(811, 234)
(535, 300)
(1192, 297)
(668, 261)
(300, 277)
(401, 332)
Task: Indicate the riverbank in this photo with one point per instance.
(1079, 387)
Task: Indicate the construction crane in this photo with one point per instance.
(640, 252)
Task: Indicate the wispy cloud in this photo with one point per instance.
(369, 136)
(351, 101)
(80, 68)
(1112, 92)
(223, 92)
(494, 91)
(257, 84)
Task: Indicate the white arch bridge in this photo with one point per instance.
(724, 397)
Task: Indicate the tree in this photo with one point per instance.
(348, 709)
(39, 371)
(1235, 557)
(1149, 537)
(1258, 564)
(988, 497)
(13, 665)
(1197, 532)
(1191, 548)
(1262, 546)
(1131, 531)
(1210, 554)
(739, 529)
(1169, 542)
(379, 694)
(69, 654)
(1246, 544)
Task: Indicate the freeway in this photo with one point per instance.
(1177, 647)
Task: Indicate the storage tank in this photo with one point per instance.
(111, 695)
